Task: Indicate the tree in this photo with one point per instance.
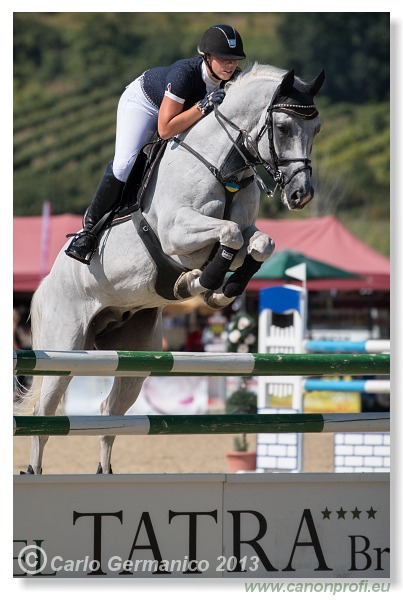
(352, 47)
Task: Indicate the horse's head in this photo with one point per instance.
(286, 136)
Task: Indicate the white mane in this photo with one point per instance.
(253, 72)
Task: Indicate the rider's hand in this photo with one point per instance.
(207, 104)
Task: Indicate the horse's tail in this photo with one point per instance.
(25, 399)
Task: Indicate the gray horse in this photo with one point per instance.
(201, 202)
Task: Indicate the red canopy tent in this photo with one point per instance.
(322, 238)
(28, 247)
(327, 240)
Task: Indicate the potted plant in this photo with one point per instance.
(242, 337)
(241, 402)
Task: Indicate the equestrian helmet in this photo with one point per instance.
(222, 41)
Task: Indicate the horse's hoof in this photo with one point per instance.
(216, 300)
(185, 285)
(101, 472)
(29, 471)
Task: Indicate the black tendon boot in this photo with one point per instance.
(238, 281)
(106, 197)
(214, 274)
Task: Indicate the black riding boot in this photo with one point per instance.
(106, 197)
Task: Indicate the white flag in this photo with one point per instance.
(297, 272)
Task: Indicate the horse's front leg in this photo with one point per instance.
(193, 231)
(143, 331)
(211, 278)
(124, 393)
(259, 249)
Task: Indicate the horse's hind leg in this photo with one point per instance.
(142, 332)
(52, 391)
(56, 325)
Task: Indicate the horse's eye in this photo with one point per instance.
(283, 128)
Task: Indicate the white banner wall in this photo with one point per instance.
(202, 526)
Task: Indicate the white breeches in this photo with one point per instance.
(136, 123)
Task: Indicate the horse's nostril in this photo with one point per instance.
(302, 192)
(301, 197)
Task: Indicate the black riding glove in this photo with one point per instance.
(207, 104)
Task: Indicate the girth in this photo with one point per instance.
(168, 270)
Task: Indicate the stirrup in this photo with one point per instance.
(74, 253)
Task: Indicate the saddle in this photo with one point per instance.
(136, 185)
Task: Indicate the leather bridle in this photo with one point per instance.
(253, 148)
(249, 150)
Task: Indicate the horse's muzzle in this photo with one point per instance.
(300, 197)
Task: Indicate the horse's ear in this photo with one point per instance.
(287, 83)
(317, 83)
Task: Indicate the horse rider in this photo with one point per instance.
(164, 99)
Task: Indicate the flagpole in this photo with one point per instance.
(45, 238)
